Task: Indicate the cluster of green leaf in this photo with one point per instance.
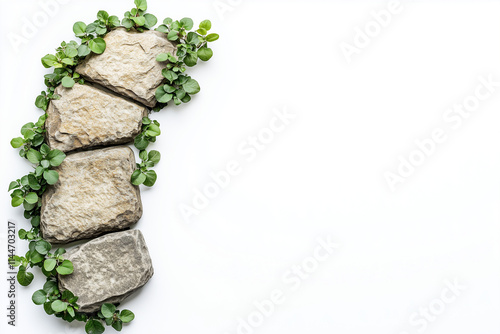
(137, 17)
(39, 255)
(69, 54)
(32, 136)
(191, 46)
(150, 130)
(111, 317)
(143, 175)
(27, 191)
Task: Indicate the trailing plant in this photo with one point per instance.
(191, 46)
(27, 191)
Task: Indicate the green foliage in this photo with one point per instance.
(68, 55)
(143, 175)
(28, 190)
(150, 130)
(191, 46)
(137, 17)
(111, 317)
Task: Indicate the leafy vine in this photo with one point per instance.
(27, 191)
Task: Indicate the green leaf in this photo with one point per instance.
(169, 89)
(41, 102)
(17, 201)
(13, 185)
(91, 28)
(50, 61)
(31, 198)
(201, 31)
(70, 311)
(162, 28)
(150, 178)
(35, 221)
(49, 287)
(71, 51)
(127, 23)
(56, 157)
(51, 176)
(102, 15)
(94, 326)
(206, 25)
(205, 53)
(48, 309)
(191, 59)
(173, 35)
(162, 96)
(126, 316)
(79, 29)
(45, 149)
(113, 21)
(143, 155)
(65, 268)
(169, 75)
(36, 257)
(162, 57)
(83, 50)
(97, 45)
(137, 177)
(154, 156)
(42, 247)
(59, 305)
(139, 20)
(141, 4)
(187, 23)
(39, 297)
(68, 82)
(24, 277)
(141, 143)
(49, 264)
(117, 325)
(153, 130)
(151, 20)
(33, 182)
(191, 86)
(108, 310)
(17, 142)
(167, 21)
(212, 37)
(192, 38)
(34, 156)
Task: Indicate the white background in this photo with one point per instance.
(322, 176)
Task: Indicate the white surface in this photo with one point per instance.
(323, 175)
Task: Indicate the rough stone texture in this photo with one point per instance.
(129, 66)
(86, 116)
(108, 269)
(93, 196)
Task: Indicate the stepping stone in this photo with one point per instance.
(86, 117)
(108, 269)
(128, 66)
(93, 196)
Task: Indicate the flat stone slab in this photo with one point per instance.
(108, 269)
(93, 196)
(86, 117)
(128, 66)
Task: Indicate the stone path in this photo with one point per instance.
(94, 195)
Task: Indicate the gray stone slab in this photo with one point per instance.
(87, 116)
(108, 269)
(93, 196)
(128, 66)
